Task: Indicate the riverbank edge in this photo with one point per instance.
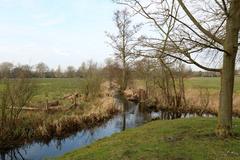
(63, 127)
(188, 139)
(149, 103)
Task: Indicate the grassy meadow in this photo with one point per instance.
(58, 86)
(55, 89)
(211, 83)
(182, 139)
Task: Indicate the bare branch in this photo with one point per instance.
(198, 25)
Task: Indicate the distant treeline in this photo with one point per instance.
(42, 70)
(109, 70)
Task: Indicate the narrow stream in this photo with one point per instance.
(131, 118)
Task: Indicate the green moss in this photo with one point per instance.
(186, 139)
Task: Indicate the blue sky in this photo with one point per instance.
(65, 32)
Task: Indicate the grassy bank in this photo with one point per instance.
(183, 139)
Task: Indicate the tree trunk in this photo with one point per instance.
(124, 75)
(124, 79)
(226, 97)
(227, 76)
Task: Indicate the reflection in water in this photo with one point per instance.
(12, 155)
(125, 106)
(131, 117)
(124, 122)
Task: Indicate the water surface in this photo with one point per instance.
(130, 118)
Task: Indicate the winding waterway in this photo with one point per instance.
(130, 118)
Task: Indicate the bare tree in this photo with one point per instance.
(5, 69)
(15, 95)
(124, 42)
(81, 72)
(93, 80)
(58, 72)
(71, 72)
(189, 30)
(111, 70)
(144, 69)
(42, 69)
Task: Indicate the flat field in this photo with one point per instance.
(55, 88)
(211, 83)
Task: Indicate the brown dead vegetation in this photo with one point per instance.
(43, 126)
(198, 101)
(100, 111)
(58, 121)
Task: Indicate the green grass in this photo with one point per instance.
(203, 82)
(211, 83)
(55, 88)
(183, 139)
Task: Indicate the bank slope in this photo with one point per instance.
(182, 139)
